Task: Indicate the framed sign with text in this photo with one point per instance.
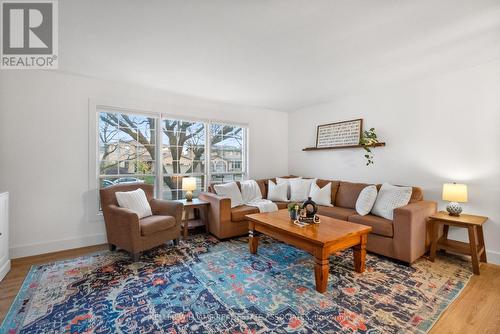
(346, 133)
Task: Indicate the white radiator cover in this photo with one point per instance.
(4, 235)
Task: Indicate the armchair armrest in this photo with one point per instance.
(122, 219)
(410, 229)
(167, 208)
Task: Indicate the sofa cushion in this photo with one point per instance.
(381, 226)
(153, 224)
(416, 195)
(336, 212)
(238, 213)
(348, 193)
(262, 186)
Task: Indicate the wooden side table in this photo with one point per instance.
(190, 206)
(474, 224)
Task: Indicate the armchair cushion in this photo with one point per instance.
(152, 224)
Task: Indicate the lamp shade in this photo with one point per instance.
(453, 192)
(189, 183)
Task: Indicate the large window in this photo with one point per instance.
(161, 151)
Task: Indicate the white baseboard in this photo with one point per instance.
(4, 269)
(56, 245)
(493, 257)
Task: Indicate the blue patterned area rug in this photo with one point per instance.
(206, 286)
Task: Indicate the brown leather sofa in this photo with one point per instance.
(404, 238)
(124, 228)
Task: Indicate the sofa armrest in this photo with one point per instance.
(410, 229)
(167, 208)
(219, 212)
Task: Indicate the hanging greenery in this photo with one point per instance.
(368, 139)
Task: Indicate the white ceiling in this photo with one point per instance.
(279, 54)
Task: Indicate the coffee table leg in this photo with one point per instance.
(321, 268)
(359, 252)
(253, 241)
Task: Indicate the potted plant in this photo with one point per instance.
(293, 210)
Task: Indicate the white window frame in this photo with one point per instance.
(139, 108)
(95, 107)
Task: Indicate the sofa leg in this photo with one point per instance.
(176, 241)
(136, 256)
(112, 247)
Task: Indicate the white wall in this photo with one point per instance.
(44, 150)
(439, 129)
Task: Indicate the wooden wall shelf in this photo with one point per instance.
(340, 147)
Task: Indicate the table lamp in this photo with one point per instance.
(454, 193)
(189, 185)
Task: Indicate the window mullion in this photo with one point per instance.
(159, 158)
(208, 153)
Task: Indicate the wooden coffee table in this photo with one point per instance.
(320, 240)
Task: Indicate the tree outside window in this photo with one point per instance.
(129, 152)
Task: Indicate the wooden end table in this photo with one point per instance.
(190, 206)
(320, 240)
(475, 247)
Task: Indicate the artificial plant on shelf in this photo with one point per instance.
(368, 139)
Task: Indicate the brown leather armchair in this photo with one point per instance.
(124, 228)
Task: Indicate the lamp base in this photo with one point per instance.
(189, 196)
(454, 209)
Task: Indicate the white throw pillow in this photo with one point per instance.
(322, 196)
(230, 190)
(389, 198)
(280, 180)
(134, 200)
(366, 199)
(277, 192)
(300, 189)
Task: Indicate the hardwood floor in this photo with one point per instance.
(476, 310)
